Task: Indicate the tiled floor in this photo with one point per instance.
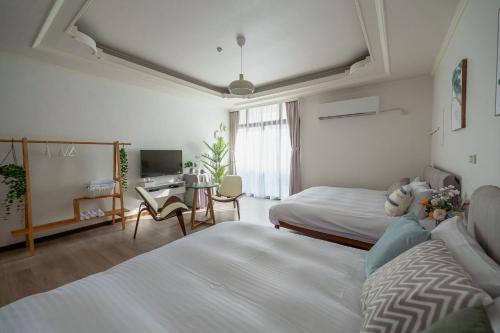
(72, 257)
(255, 210)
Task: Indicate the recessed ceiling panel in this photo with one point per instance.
(286, 39)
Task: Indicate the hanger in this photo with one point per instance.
(12, 151)
(71, 152)
(47, 152)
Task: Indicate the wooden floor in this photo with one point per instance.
(72, 257)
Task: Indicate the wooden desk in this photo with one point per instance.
(207, 187)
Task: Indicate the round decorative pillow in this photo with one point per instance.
(397, 202)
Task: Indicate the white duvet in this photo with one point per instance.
(234, 277)
(354, 213)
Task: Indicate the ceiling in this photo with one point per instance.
(415, 31)
(285, 38)
(19, 22)
(294, 48)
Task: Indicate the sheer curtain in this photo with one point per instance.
(234, 123)
(263, 151)
(292, 113)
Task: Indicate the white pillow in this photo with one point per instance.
(397, 202)
(418, 183)
(421, 191)
(484, 271)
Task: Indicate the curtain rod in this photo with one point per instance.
(66, 142)
(257, 104)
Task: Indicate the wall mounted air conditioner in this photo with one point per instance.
(349, 108)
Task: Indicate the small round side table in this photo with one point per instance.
(207, 187)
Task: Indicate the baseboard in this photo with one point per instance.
(22, 244)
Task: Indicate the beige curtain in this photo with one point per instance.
(292, 114)
(234, 123)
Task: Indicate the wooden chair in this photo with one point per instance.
(229, 191)
(172, 207)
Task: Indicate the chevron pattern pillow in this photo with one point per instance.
(415, 289)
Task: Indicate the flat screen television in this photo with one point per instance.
(156, 163)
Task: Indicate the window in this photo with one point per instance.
(263, 151)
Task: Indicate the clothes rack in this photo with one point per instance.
(29, 229)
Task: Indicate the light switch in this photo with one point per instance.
(473, 159)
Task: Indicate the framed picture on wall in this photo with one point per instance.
(458, 95)
(497, 104)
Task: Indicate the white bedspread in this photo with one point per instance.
(234, 277)
(354, 213)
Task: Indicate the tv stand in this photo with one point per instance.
(167, 189)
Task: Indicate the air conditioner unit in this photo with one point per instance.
(349, 108)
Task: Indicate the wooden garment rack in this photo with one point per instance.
(29, 229)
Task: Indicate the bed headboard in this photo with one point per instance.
(438, 178)
(483, 222)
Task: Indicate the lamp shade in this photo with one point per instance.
(241, 87)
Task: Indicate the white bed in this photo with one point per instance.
(229, 278)
(352, 216)
(353, 213)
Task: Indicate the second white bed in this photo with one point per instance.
(353, 213)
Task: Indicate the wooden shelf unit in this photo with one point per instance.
(76, 206)
(61, 223)
(29, 229)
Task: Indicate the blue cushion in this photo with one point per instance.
(401, 235)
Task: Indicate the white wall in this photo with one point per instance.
(475, 39)
(39, 100)
(369, 151)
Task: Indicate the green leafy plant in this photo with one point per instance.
(124, 167)
(14, 178)
(190, 164)
(213, 161)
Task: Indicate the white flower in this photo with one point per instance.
(434, 202)
(439, 214)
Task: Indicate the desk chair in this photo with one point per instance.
(229, 191)
(172, 207)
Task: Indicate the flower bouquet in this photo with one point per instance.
(439, 205)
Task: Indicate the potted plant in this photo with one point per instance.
(14, 178)
(191, 165)
(214, 159)
(124, 167)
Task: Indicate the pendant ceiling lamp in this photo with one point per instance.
(241, 87)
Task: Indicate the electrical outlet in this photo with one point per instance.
(473, 159)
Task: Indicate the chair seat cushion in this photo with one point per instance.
(172, 207)
(223, 199)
